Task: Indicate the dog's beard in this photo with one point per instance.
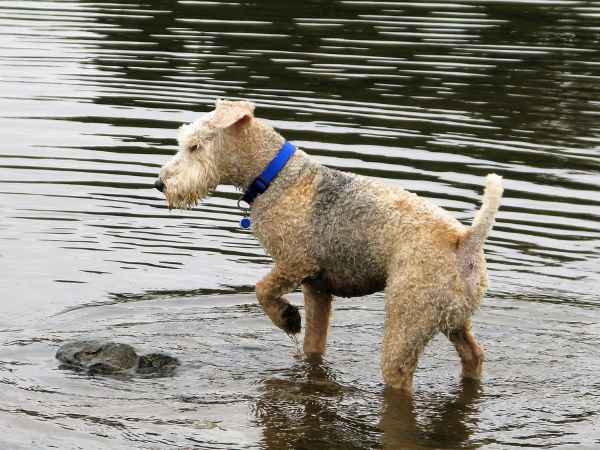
(186, 190)
(183, 201)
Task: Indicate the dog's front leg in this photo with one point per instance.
(317, 309)
(269, 292)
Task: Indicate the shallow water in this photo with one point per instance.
(430, 96)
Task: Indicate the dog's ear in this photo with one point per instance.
(228, 113)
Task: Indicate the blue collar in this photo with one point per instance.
(262, 182)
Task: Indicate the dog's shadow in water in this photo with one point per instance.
(306, 408)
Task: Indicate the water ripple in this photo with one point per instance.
(430, 96)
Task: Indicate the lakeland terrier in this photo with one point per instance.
(335, 233)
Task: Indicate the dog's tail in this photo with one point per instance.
(484, 219)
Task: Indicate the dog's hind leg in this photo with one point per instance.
(270, 291)
(470, 352)
(410, 323)
(317, 308)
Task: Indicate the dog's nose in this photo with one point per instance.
(158, 184)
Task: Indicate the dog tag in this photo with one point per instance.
(245, 223)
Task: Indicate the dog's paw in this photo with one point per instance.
(292, 323)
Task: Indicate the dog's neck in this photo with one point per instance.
(275, 166)
(258, 149)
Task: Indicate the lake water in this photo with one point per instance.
(430, 96)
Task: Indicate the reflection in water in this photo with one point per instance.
(307, 408)
(446, 422)
(303, 409)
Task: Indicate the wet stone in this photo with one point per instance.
(107, 357)
(156, 363)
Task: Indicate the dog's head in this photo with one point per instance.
(207, 153)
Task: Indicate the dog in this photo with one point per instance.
(338, 234)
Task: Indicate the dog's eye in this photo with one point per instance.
(195, 148)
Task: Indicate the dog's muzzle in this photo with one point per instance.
(158, 184)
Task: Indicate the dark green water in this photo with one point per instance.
(430, 96)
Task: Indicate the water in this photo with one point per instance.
(430, 96)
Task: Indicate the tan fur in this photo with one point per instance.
(317, 310)
(343, 234)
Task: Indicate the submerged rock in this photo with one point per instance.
(106, 357)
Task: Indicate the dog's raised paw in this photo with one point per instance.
(292, 323)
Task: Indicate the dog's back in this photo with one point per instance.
(356, 231)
